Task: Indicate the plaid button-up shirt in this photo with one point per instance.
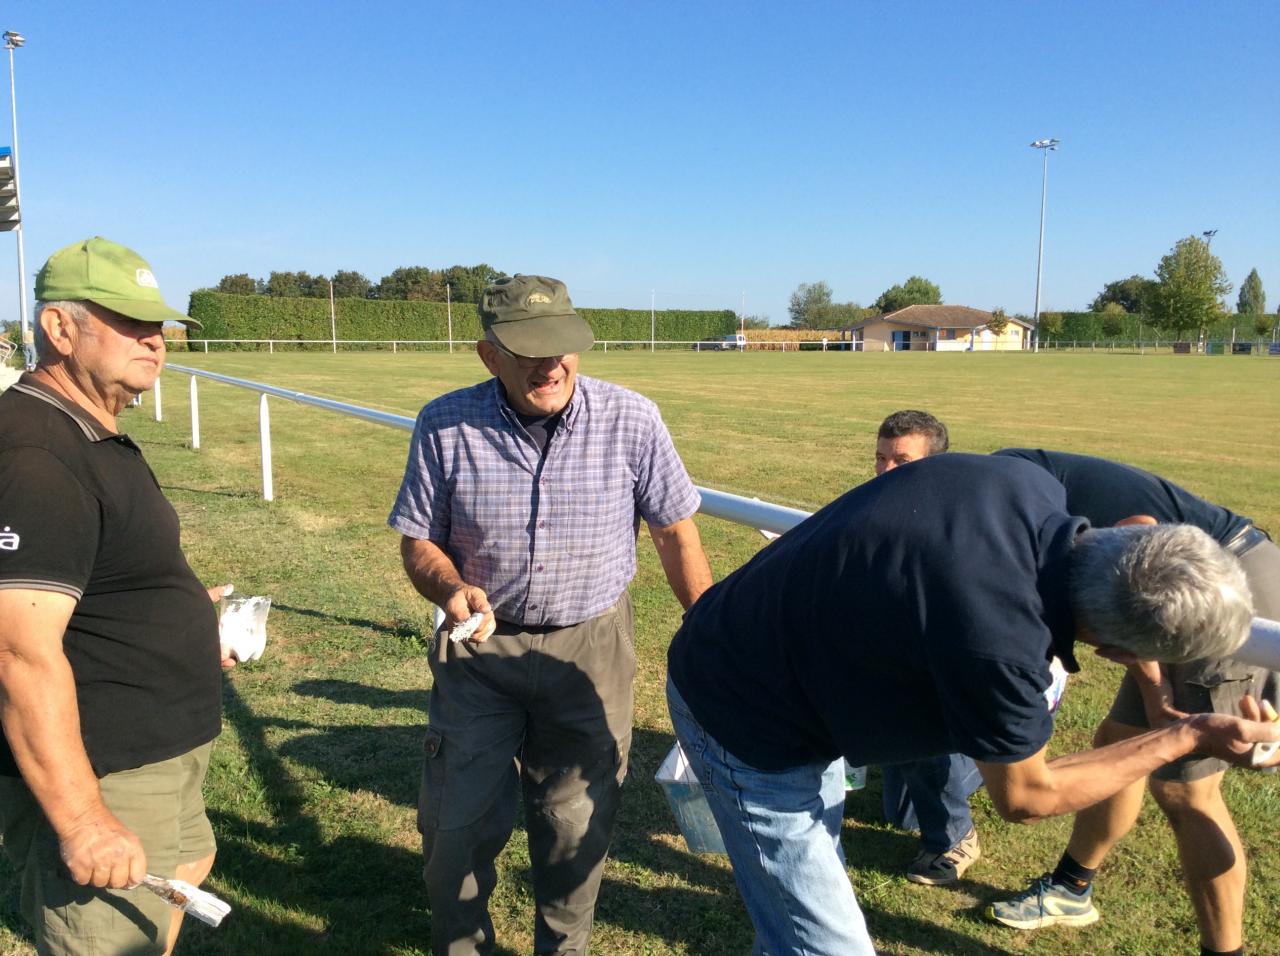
(550, 547)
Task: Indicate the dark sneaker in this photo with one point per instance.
(939, 869)
(1045, 903)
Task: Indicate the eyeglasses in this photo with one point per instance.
(523, 361)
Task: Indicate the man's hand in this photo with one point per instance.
(1232, 738)
(464, 602)
(218, 592)
(103, 852)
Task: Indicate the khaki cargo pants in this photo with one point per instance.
(548, 711)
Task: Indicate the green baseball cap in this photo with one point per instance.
(532, 316)
(106, 274)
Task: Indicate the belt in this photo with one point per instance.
(1245, 540)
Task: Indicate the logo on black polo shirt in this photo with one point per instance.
(9, 540)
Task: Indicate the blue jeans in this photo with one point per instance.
(782, 831)
(931, 795)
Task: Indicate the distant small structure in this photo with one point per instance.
(939, 328)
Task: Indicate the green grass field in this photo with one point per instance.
(314, 780)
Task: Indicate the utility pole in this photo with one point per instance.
(11, 42)
(1046, 146)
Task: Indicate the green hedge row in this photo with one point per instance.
(1087, 327)
(267, 317)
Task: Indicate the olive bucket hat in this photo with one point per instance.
(106, 274)
(532, 316)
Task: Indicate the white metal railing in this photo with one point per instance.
(716, 504)
(1262, 649)
(395, 345)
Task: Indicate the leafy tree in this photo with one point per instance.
(1130, 294)
(413, 282)
(285, 285)
(1191, 281)
(466, 283)
(998, 323)
(1050, 324)
(1113, 314)
(313, 287)
(1252, 299)
(297, 285)
(811, 308)
(755, 321)
(809, 305)
(1262, 323)
(348, 284)
(239, 284)
(915, 291)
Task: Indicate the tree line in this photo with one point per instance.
(1185, 297)
(418, 283)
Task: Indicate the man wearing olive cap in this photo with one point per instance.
(109, 678)
(521, 502)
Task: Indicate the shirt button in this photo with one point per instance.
(542, 567)
(542, 524)
(533, 607)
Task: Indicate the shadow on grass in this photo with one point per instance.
(351, 894)
(396, 629)
(206, 491)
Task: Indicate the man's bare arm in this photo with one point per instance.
(1035, 788)
(436, 578)
(683, 560)
(42, 723)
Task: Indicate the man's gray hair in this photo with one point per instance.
(1164, 592)
(78, 311)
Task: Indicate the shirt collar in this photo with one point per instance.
(90, 426)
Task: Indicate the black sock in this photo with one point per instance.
(1073, 876)
(1206, 951)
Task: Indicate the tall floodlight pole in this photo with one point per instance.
(1046, 146)
(11, 42)
(1208, 238)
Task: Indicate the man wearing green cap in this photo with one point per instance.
(109, 677)
(520, 506)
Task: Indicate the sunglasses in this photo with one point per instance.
(523, 361)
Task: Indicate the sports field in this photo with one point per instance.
(314, 780)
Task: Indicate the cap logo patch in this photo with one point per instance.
(146, 279)
(9, 540)
(541, 297)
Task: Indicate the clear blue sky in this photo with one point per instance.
(702, 150)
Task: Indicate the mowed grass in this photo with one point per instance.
(314, 780)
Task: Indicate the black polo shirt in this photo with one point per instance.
(914, 616)
(81, 513)
(1106, 492)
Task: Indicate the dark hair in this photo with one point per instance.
(911, 422)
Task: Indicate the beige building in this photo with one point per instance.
(939, 328)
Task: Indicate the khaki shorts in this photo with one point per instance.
(160, 802)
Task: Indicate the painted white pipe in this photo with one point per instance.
(159, 416)
(264, 430)
(1262, 648)
(195, 414)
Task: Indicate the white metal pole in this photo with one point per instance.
(25, 317)
(653, 322)
(448, 304)
(195, 414)
(264, 431)
(333, 320)
(159, 414)
(1040, 256)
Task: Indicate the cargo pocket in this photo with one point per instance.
(433, 774)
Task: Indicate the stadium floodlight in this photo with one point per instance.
(12, 41)
(1046, 146)
(1208, 237)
